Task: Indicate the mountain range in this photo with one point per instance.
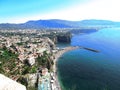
(57, 23)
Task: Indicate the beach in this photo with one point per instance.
(57, 55)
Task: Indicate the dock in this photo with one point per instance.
(90, 49)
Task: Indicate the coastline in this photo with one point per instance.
(57, 56)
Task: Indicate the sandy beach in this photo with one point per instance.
(57, 55)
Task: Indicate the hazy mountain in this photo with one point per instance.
(56, 23)
(53, 23)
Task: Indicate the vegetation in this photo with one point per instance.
(45, 60)
(29, 69)
(20, 43)
(6, 54)
(32, 88)
(7, 62)
(23, 81)
(11, 66)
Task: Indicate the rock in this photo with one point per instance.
(64, 38)
(8, 84)
(32, 80)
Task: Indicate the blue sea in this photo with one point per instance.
(82, 69)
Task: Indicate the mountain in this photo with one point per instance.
(56, 23)
(53, 23)
(98, 23)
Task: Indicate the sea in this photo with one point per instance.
(83, 69)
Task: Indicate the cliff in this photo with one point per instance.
(61, 37)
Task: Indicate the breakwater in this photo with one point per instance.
(90, 49)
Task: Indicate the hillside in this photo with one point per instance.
(56, 23)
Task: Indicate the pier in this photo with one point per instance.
(90, 49)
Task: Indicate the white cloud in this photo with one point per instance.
(96, 9)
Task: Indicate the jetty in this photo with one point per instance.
(90, 49)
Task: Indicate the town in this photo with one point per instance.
(29, 56)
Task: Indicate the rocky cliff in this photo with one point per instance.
(61, 38)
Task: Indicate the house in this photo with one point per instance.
(44, 71)
(31, 60)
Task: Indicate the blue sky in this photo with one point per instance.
(18, 11)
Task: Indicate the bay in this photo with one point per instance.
(86, 70)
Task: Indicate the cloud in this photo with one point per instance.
(96, 9)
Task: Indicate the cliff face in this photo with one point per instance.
(64, 38)
(61, 38)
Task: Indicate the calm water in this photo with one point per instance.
(86, 70)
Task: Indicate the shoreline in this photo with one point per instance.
(57, 56)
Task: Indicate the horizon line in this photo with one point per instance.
(53, 19)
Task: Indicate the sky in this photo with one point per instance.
(20, 11)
